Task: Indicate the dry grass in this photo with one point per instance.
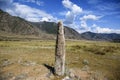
(102, 56)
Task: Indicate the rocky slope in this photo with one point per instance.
(18, 26)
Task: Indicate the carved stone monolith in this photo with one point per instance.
(60, 51)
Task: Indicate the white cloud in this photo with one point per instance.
(74, 10)
(63, 13)
(69, 18)
(91, 17)
(84, 24)
(94, 28)
(84, 21)
(45, 19)
(98, 29)
(38, 2)
(73, 7)
(67, 3)
(87, 12)
(27, 12)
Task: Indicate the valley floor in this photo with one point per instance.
(21, 59)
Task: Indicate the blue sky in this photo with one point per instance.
(100, 16)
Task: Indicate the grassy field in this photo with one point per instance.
(103, 57)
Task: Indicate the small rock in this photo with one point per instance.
(6, 62)
(67, 78)
(71, 75)
(85, 62)
(19, 60)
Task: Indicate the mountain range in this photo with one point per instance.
(15, 28)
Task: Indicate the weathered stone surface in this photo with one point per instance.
(60, 51)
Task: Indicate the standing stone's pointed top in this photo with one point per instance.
(60, 23)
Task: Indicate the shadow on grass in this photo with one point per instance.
(52, 70)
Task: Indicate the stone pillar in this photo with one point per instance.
(60, 51)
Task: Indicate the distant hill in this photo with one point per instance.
(51, 28)
(16, 25)
(12, 27)
(101, 36)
